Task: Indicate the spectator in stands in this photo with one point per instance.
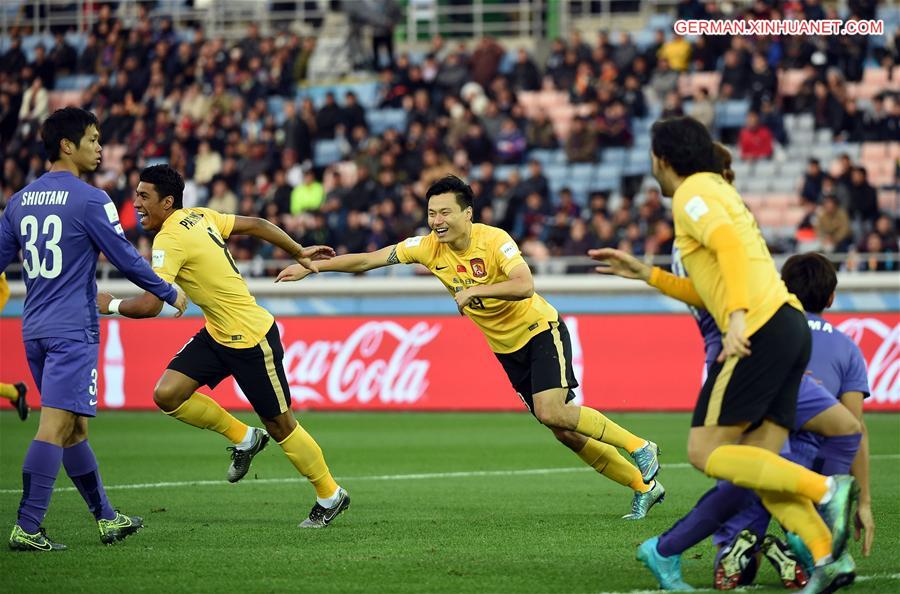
(663, 81)
(14, 59)
(651, 53)
(222, 199)
(578, 242)
(633, 97)
(35, 106)
(755, 140)
(510, 144)
(485, 61)
(886, 229)
(852, 127)
(564, 74)
(525, 75)
(872, 256)
(536, 182)
(703, 110)
(703, 55)
(811, 189)
(763, 84)
(624, 53)
(734, 82)
(677, 52)
(833, 226)
(328, 117)
(613, 127)
(772, 118)
(826, 109)
(863, 198)
(581, 145)
(539, 132)
(672, 107)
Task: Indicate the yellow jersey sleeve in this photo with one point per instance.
(223, 222)
(506, 251)
(418, 249)
(168, 256)
(698, 217)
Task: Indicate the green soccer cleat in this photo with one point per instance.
(119, 527)
(832, 576)
(241, 459)
(647, 460)
(666, 570)
(321, 517)
(642, 502)
(21, 402)
(20, 540)
(838, 512)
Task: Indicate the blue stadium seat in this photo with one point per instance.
(543, 156)
(156, 161)
(556, 170)
(74, 82)
(615, 155)
(275, 106)
(381, 120)
(326, 152)
(504, 171)
(582, 171)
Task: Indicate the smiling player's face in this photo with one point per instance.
(152, 210)
(447, 219)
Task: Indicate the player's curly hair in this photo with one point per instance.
(450, 184)
(167, 182)
(723, 157)
(69, 123)
(812, 278)
(685, 144)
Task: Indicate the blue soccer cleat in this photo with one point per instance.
(667, 570)
(838, 512)
(647, 460)
(642, 502)
(832, 576)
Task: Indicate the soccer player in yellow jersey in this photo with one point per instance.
(749, 400)
(15, 393)
(240, 338)
(481, 266)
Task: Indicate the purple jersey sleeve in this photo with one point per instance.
(101, 221)
(9, 243)
(855, 377)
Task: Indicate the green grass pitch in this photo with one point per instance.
(441, 503)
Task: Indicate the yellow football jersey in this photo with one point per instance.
(703, 203)
(492, 254)
(4, 290)
(190, 250)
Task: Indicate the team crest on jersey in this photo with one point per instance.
(478, 269)
(460, 268)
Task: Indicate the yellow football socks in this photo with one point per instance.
(306, 455)
(9, 392)
(758, 469)
(797, 514)
(202, 411)
(607, 460)
(594, 424)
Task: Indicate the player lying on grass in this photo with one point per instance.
(60, 224)
(483, 269)
(240, 338)
(15, 393)
(749, 400)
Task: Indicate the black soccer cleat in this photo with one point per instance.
(321, 517)
(119, 528)
(21, 402)
(20, 540)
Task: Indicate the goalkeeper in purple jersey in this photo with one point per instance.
(61, 224)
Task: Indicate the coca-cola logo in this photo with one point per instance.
(377, 361)
(880, 344)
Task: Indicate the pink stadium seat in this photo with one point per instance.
(873, 151)
(876, 76)
(60, 99)
(889, 202)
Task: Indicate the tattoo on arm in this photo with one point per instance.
(393, 259)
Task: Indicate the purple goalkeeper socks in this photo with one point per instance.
(39, 470)
(715, 507)
(81, 466)
(837, 453)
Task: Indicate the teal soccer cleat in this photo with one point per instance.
(642, 502)
(667, 570)
(647, 460)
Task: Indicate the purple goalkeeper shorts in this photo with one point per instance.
(65, 372)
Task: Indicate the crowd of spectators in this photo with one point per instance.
(201, 105)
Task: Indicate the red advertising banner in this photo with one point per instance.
(623, 362)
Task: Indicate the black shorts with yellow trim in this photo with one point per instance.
(763, 385)
(544, 363)
(257, 370)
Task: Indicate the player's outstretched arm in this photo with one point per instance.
(864, 520)
(619, 263)
(263, 229)
(353, 263)
(519, 286)
(147, 305)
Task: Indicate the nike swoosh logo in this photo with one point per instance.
(92, 402)
(440, 267)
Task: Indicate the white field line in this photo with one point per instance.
(381, 477)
